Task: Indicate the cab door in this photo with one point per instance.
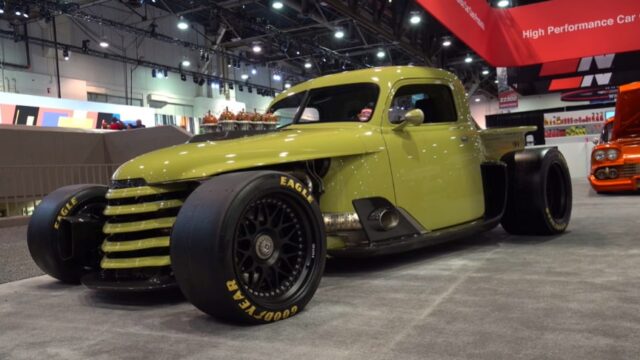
(436, 165)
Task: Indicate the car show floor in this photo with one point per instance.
(493, 296)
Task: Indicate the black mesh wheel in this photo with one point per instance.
(249, 247)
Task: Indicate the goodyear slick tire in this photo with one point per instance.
(539, 197)
(205, 245)
(44, 237)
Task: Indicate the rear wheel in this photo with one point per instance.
(249, 247)
(49, 235)
(539, 198)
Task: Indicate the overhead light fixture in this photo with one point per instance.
(18, 12)
(339, 33)
(215, 85)
(477, 99)
(25, 12)
(495, 81)
(277, 5)
(182, 24)
(85, 45)
(277, 77)
(468, 59)
(185, 63)
(244, 76)
(446, 42)
(415, 18)
(307, 64)
(503, 3)
(381, 54)
(254, 71)
(1, 7)
(297, 52)
(104, 43)
(485, 72)
(287, 85)
(256, 48)
(183, 77)
(65, 54)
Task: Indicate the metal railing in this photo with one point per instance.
(23, 186)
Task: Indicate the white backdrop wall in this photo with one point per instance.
(83, 73)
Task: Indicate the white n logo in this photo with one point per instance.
(602, 62)
(601, 79)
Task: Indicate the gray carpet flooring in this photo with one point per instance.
(493, 296)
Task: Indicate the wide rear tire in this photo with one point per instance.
(539, 197)
(249, 247)
(50, 246)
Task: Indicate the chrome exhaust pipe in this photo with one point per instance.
(385, 218)
(334, 222)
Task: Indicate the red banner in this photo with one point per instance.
(543, 32)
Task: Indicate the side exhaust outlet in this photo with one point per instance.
(385, 218)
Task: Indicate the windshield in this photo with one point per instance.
(352, 102)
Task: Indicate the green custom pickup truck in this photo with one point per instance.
(363, 163)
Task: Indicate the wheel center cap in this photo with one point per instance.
(264, 246)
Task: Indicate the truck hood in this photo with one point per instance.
(627, 118)
(293, 143)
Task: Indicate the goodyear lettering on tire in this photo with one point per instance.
(66, 209)
(251, 310)
(291, 183)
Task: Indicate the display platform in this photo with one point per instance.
(495, 296)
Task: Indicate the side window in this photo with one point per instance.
(435, 101)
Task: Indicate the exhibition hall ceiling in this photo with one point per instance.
(306, 38)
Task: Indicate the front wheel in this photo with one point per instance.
(249, 247)
(52, 244)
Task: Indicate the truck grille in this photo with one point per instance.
(139, 222)
(629, 170)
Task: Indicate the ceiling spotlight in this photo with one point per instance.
(104, 43)
(256, 48)
(254, 71)
(503, 3)
(182, 24)
(185, 63)
(307, 64)
(18, 12)
(65, 54)
(244, 76)
(339, 33)
(287, 85)
(415, 18)
(215, 85)
(446, 42)
(485, 72)
(381, 54)
(468, 59)
(477, 99)
(277, 77)
(495, 81)
(25, 13)
(277, 5)
(160, 74)
(183, 77)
